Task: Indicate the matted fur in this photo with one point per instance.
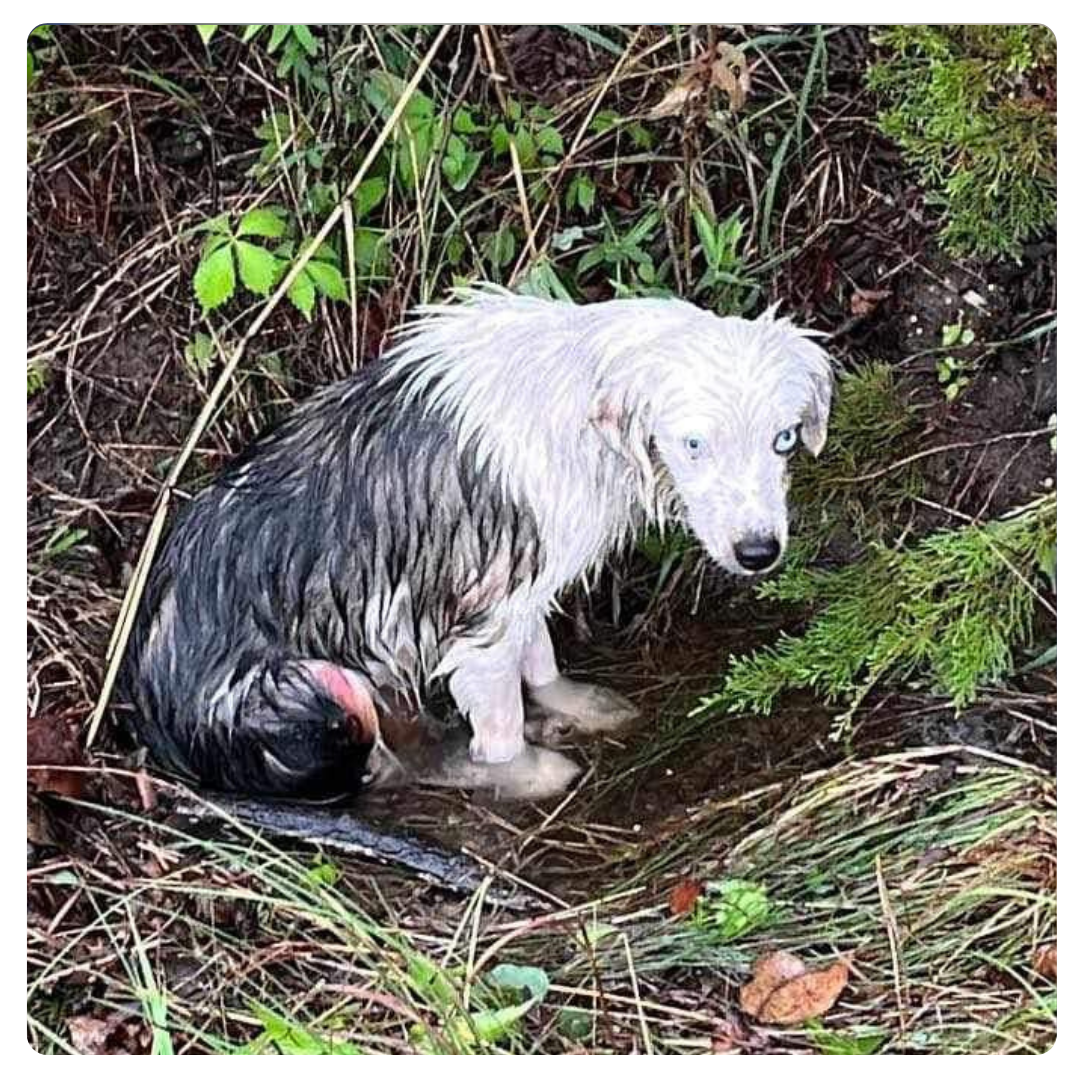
(416, 522)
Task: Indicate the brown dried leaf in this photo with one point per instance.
(684, 896)
(731, 74)
(810, 995)
(725, 69)
(770, 972)
(89, 1035)
(782, 991)
(1046, 962)
(863, 301)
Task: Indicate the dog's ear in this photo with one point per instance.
(625, 431)
(815, 417)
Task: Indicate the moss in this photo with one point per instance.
(974, 110)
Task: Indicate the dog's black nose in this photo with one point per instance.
(757, 552)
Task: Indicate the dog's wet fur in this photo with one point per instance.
(399, 539)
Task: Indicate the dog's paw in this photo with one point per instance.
(568, 709)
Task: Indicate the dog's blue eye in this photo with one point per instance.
(787, 440)
(695, 446)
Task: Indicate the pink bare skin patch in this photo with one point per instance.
(351, 693)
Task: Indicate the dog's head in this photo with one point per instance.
(734, 400)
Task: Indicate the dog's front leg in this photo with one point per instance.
(568, 707)
(486, 687)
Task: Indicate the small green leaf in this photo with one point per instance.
(459, 173)
(549, 141)
(302, 294)
(368, 195)
(950, 334)
(500, 140)
(526, 148)
(215, 278)
(307, 39)
(464, 124)
(268, 221)
(513, 109)
(967, 337)
(251, 31)
(733, 907)
(29, 67)
(533, 980)
(328, 280)
(258, 268)
(278, 34)
(582, 193)
(206, 31)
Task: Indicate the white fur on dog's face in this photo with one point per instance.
(727, 440)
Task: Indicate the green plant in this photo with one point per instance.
(725, 273)
(953, 373)
(973, 108)
(858, 488)
(955, 606)
(625, 254)
(227, 252)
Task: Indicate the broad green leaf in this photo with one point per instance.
(368, 195)
(206, 31)
(464, 124)
(277, 35)
(372, 253)
(574, 1023)
(328, 279)
(306, 39)
(302, 294)
(591, 258)
(500, 140)
(268, 221)
(258, 267)
(581, 193)
(533, 980)
(549, 141)
(526, 148)
(459, 176)
(215, 278)
(499, 247)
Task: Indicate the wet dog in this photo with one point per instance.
(409, 529)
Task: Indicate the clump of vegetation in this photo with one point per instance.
(958, 604)
(851, 486)
(973, 109)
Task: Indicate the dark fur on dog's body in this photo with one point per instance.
(274, 564)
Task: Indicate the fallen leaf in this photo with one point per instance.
(726, 69)
(863, 301)
(782, 991)
(812, 994)
(1046, 962)
(53, 740)
(770, 972)
(684, 896)
(89, 1034)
